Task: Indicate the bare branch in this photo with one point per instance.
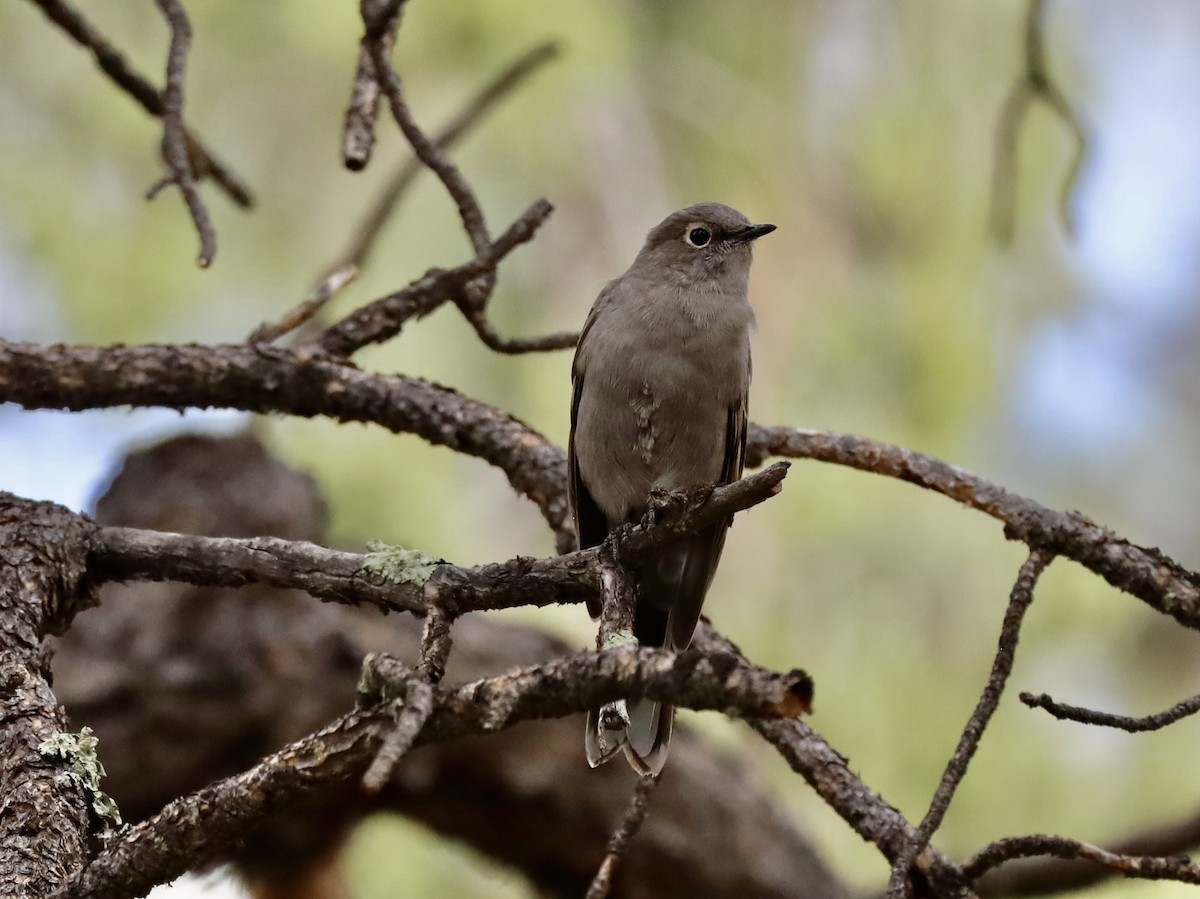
(487, 100)
(631, 822)
(414, 708)
(1018, 604)
(44, 814)
(174, 143)
(1146, 573)
(114, 64)
(1178, 868)
(384, 318)
(299, 381)
(200, 827)
(829, 774)
(1034, 83)
(1065, 712)
(477, 317)
(1052, 875)
(427, 151)
(266, 379)
(306, 311)
(127, 554)
(358, 134)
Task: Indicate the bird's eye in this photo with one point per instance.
(699, 237)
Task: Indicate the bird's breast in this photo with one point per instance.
(654, 410)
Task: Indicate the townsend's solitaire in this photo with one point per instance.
(661, 378)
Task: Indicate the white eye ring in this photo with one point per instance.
(698, 235)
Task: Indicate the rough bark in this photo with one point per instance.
(43, 808)
(187, 684)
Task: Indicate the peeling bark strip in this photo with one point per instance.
(43, 815)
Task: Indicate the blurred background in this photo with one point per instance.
(1060, 365)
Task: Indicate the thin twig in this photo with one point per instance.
(1144, 572)
(427, 151)
(1065, 712)
(475, 111)
(514, 346)
(300, 315)
(1179, 868)
(114, 64)
(174, 141)
(418, 699)
(410, 719)
(631, 823)
(355, 258)
(358, 134)
(1033, 84)
(1018, 603)
(384, 318)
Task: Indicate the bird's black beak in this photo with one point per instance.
(753, 232)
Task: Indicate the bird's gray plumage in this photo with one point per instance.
(661, 379)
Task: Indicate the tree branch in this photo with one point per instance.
(1065, 712)
(114, 64)
(1034, 83)
(384, 318)
(200, 827)
(301, 382)
(45, 808)
(126, 554)
(1143, 867)
(358, 134)
(1146, 573)
(174, 142)
(631, 822)
(828, 773)
(1019, 601)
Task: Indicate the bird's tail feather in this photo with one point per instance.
(645, 740)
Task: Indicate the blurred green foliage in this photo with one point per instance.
(864, 131)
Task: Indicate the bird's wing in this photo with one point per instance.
(704, 549)
(591, 527)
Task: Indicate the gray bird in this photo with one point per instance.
(661, 378)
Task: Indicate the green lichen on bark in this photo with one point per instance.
(398, 565)
(79, 751)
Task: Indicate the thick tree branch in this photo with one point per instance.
(829, 774)
(201, 827)
(301, 382)
(44, 811)
(127, 554)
